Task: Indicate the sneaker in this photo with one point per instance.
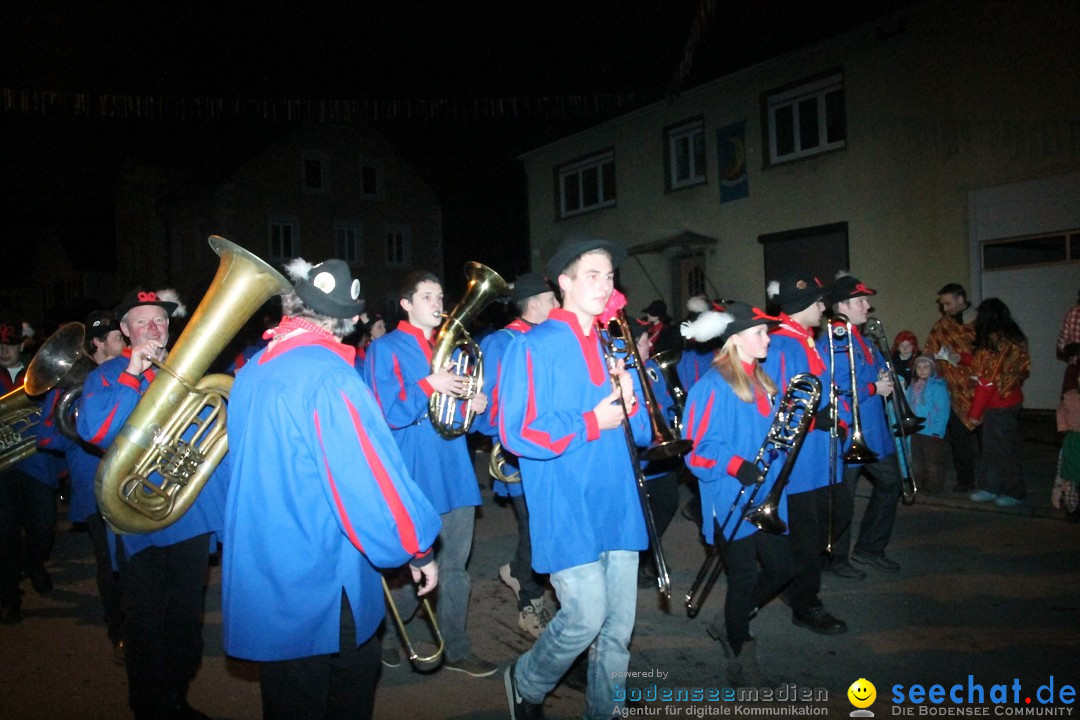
(1007, 501)
(878, 561)
(533, 618)
(982, 496)
(509, 580)
(846, 571)
(520, 708)
(391, 656)
(471, 665)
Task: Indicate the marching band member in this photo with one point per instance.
(164, 572)
(534, 299)
(558, 413)
(848, 297)
(728, 416)
(319, 498)
(792, 351)
(398, 370)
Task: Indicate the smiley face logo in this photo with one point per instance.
(862, 693)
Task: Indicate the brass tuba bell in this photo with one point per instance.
(454, 348)
(151, 474)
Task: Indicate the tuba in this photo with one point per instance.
(62, 362)
(19, 415)
(790, 424)
(152, 440)
(454, 349)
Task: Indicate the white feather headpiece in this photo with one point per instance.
(773, 288)
(298, 269)
(697, 304)
(708, 325)
(170, 295)
(842, 273)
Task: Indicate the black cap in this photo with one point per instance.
(657, 308)
(140, 296)
(527, 285)
(100, 323)
(796, 291)
(572, 248)
(10, 330)
(846, 287)
(744, 317)
(330, 289)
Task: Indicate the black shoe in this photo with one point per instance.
(844, 570)
(41, 580)
(878, 561)
(819, 621)
(180, 710)
(646, 576)
(10, 613)
(520, 708)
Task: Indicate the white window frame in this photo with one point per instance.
(397, 245)
(280, 252)
(380, 179)
(349, 242)
(687, 133)
(578, 169)
(791, 98)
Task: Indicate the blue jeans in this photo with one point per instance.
(598, 605)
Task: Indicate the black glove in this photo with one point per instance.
(823, 420)
(747, 473)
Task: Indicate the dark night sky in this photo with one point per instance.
(60, 169)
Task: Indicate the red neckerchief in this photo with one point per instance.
(305, 338)
(520, 324)
(289, 325)
(427, 344)
(865, 348)
(761, 400)
(589, 350)
(792, 329)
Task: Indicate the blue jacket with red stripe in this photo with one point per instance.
(493, 347)
(82, 462)
(396, 369)
(579, 480)
(727, 432)
(110, 394)
(792, 350)
(319, 497)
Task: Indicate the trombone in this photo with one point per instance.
(840, 330)
(794, 414)
(423, 663)
(901, 419)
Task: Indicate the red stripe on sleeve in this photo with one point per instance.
(697, 432)
(104, 429)
(538, 437)
(349, 531)
(401, 380)
(402, 519)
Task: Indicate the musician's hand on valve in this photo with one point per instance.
(426, 577)
(479, 403)
(447, 383)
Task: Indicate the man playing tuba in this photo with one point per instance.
(163, 572)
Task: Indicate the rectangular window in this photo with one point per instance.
(684, 154)
(349, 239)
(587, 184)
(313, 175)
(397, 246)
(284, 238)
(372, 179)
(1035, 250)
(805, 119)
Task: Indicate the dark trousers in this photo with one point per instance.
(521, 565)
(808, 525)
(27, 529)
(930, 463)
(999, 464)
(108, 581)
(336, 686)
(751, 586)
(664, 502)
(880, 516)
(164, 599)
(965, 450)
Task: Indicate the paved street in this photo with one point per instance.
(985, 592)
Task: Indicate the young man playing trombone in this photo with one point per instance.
(559, 413)
(861, 388)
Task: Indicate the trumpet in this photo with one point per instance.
(901, 419)
(794, 413)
